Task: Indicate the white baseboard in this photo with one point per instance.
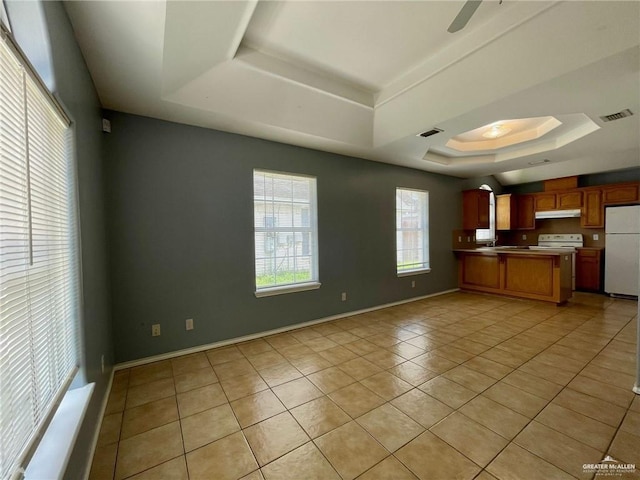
(253, 336)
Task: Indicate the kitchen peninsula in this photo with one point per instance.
(516, 272)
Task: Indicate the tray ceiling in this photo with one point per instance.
(364, 78)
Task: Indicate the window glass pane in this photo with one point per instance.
(38, 269)
(488, 234)
(411, 230)
(286, 230)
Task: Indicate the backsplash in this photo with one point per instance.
(556, 225)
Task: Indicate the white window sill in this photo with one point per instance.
(418, 271)
(53, 452)
(300, 287)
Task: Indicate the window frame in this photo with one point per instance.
(51, 250)
(491, 231)
(424, 229)
(309, 248)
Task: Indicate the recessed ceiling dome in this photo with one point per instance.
(503, 133)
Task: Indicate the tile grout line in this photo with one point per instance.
(549, 402)
(398, 324)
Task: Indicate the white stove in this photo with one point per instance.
(562, 241)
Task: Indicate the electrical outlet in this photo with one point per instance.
(189, 323)
(155, 330)
(468, 239)
(596, 236)
(524, 236)
(413, 284)
(344, 296)
(102, 363)
(459, 239)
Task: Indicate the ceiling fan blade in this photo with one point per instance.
(465, 14)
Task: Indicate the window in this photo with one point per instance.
(286, 232)
(412, 231)
(488, 234)
(38, 260)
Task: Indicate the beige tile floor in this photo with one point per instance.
(459, 386)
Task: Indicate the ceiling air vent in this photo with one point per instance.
(617, 116)
(428, 133)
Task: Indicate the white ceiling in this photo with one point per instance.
(363, 78)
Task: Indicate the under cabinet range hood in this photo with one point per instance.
(558, 214)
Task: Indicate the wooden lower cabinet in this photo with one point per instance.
(535, 276)
(529, 275)
(481, 271)
(589, 269)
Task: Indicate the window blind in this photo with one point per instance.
(488, 234)
(38, 260)
(412, 230)
(286, 229)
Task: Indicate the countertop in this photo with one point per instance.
(513, 251)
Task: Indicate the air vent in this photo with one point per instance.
(617, 116)
(540, 162)
(428, 133)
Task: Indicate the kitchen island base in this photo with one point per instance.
(533, 275)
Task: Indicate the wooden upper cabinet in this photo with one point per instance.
(623, 193)
(592, 210)
(568, 200)
(506, 212)
(475, 209)
(526, 212)
(545, 201)
(564, 183)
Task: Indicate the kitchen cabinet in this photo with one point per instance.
(568, 200)
(535, 275)
(475, 209)
(480, 271)
(592, 211)
(526, 212)
(545, 201)
(622, 193)
(564, 183)
(589, 269)
(506, 212)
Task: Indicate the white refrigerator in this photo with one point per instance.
(622, 250)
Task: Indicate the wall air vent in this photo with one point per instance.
(617, 116)
(428, 133)
(540, 162)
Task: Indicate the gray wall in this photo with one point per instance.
(181, 234)
(74, 88)
(471, 183)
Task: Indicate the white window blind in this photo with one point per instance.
(412, 230)
(38, 260)
(286, 232)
